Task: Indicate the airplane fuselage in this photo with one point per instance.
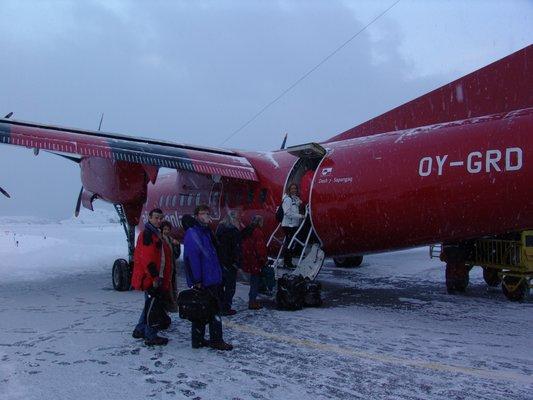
(441, 183)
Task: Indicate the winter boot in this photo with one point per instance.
(156, 341)
(254, 305)
(221, 346)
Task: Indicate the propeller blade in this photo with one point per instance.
(5, 193)
(9, 115)
(284, 142)
(78, 203)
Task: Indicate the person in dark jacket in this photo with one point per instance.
(254, 257)
(203, 272)
(171, 304)
(152, 272)
(228, 237)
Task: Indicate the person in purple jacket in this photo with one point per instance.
(203, 271)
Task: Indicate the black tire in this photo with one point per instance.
(515, 288)
(121, 275)
(348, 262)
(491, 277)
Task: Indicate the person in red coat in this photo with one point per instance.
(254, 257)
(152, 273)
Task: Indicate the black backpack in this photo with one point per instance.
(280, 213)
(156, 317)
(291, 292)
(197, 305)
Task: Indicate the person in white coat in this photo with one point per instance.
(292, 218)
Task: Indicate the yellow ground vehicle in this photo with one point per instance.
(507, 259)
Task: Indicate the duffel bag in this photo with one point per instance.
(312, 296)
(196, 305)
(291, 292)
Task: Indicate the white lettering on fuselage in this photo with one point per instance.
(341, 180)
(490, 161)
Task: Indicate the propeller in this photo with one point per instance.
(78, 203)
(284, 142)
(5, 193)
(9, 115)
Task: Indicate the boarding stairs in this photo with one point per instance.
(305, 244)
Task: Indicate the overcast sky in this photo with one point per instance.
(194, 72)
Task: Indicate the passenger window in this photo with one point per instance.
(190, 199)
(198, 199)
(251, 193)
(238, 198)
(262, 195)
(168, 201)
(182, 200)
(161, 201)
(174, 199)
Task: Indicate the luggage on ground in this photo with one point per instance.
(312, 296)
(291, 292)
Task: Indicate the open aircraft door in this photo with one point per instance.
(306, 244)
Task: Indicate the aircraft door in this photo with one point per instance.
(305, 245)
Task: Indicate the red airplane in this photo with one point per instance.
(450, 166)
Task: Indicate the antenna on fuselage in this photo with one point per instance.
(100, 124)
(284, 142)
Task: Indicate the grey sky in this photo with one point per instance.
(194, 72)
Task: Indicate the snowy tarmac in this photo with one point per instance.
(387, 330)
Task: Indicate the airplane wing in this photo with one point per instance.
(85, 143)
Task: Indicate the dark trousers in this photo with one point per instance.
(142, 326)
(215, 331)
(287, 254)
(229, 276)
(215, 325)
(254, 287)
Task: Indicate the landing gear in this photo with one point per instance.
(348, 262)
(491, 277)
(515, 288)
(122, 269)
(457, 277)
(121, 275)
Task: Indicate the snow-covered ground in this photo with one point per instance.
(387, 330)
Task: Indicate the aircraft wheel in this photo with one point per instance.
(121, 275)
(491, 276)
(348, 262)
(515, 288)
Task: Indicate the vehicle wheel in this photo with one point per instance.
(491, 276)
(121, 275)
(348, 262)
(515, 288)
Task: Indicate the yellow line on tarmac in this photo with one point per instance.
(331, 348)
